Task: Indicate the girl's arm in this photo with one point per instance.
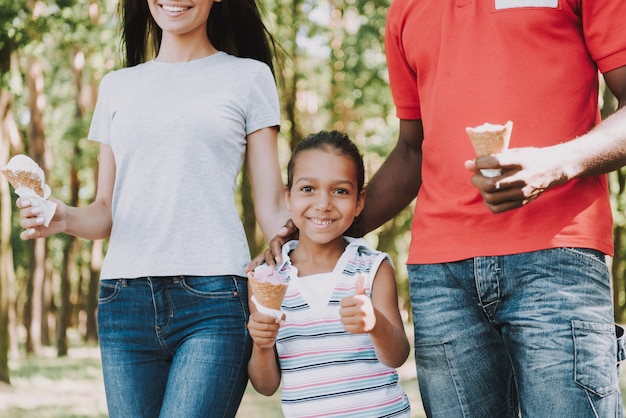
(378, 316)
(263, 366)
(89, 222)
(266, 181)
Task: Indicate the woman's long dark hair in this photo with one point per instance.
(234, 26)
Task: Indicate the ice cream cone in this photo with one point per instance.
(23, 171)
(490, 139)
(25, 179)
(270, 295)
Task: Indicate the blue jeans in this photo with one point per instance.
(530, 333)
(174, 346)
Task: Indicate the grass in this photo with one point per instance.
(71, 387)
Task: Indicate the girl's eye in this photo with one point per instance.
(306, 189)
(341, 191)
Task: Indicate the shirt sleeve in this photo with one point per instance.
(100, 127)
(604, 22)
(402, 77)
(263, 104)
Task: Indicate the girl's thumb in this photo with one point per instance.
(359, 287)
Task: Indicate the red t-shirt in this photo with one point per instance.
(455, 64)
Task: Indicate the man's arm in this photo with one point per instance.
(528, 172)
(398, 180)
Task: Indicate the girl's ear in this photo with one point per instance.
(360, 203)
(287, 198)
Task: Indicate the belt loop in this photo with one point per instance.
(124, 282)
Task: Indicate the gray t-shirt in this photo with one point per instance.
(178, 133)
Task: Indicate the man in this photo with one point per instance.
(510, 291)
(511, 302)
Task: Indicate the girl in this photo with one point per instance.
(342, 335)
(173, 132)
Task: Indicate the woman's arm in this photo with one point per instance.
(90, 222)
(266, 181)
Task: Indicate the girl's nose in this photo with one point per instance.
(323, 202)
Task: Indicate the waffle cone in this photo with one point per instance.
(267, 294)
(25, 179)
(490, 139)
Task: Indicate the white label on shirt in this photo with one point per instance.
(514, 4)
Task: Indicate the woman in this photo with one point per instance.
(173, 133)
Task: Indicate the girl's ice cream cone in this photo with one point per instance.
(268, 287)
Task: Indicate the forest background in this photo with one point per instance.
(331, 74)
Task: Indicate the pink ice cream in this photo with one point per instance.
(267, 273)
(268, 288)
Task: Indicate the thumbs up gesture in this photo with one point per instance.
(357, 312)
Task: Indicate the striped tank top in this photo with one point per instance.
(327, 371)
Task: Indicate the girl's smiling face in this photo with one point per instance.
(324, 198)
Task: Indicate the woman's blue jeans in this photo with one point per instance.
(530, 333)
(174, 346)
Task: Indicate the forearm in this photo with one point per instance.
(263, 371)
(397, 181)
(601, 150)
(89, 222)
(390, 342)
(271, 216)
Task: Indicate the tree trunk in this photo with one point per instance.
(37, 150)
(616, 270)
(69, 257)
(7, 273)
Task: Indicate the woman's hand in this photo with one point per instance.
(272, 255)
(32, 219)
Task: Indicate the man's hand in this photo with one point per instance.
(526, 174)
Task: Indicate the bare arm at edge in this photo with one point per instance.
(397, 181)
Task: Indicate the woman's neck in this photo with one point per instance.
(180, 49)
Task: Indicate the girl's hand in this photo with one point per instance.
(357, 312)
(264, 329)
(32, 219)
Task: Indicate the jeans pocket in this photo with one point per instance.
(109, 289)
(213, 287)
(595, 357)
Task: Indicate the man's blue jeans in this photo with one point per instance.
(532, 332)
(174, 346)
